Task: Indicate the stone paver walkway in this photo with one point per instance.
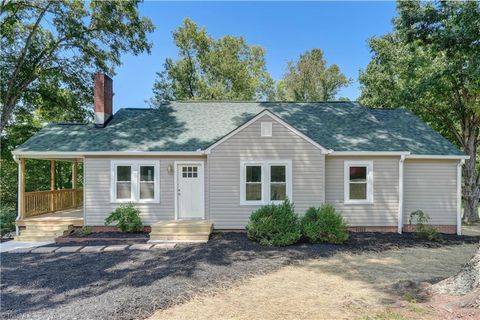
(95, 249)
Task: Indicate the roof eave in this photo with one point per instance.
(73, 154)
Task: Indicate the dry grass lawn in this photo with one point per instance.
(344, 286)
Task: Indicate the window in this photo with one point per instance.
(278, 183)
(147, 182)
(136, 181)
(265, 182)
(266, 129)
(253, 187)
(189, 172)
(124, 182)
(358, 182)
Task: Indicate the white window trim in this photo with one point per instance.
(135, 178)
(265, 164)
(346, 181)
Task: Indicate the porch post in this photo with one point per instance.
(52, 185)
(21, 197)
(74, 182)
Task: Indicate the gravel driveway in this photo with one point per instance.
(133, 284)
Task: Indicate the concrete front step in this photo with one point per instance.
(181, 231)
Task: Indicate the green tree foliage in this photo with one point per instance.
(309, 79)
(50, 49)
(50, 52)
(208, 69)
(430, 65)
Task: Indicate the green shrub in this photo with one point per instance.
(324, 224)
(86, 230)
(423, 230)
(7, 220)
(127, 218)
(274, 225)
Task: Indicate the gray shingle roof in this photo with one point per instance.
(190, 126)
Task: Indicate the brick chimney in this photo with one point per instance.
(103, 98)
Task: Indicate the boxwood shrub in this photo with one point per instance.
(274, 225)
(324, 224)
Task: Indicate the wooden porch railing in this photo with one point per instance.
(40, 202)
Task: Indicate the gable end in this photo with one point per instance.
(274, 118)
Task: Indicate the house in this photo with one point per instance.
(215, 162)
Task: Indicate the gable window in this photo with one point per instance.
(266, 129)
(135, 181)
(358, 183)
(264, 182)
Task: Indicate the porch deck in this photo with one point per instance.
(74, 216)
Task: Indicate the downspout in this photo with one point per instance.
(84, 186)
(400, 194)
(19, 207)
(459, 196)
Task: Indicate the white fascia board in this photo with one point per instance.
(276, 118)
(439, 157)
(369, 153)
(75, 154)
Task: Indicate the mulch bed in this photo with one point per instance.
(132, 284)
(123, 237)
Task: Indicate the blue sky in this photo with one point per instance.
(284, 29)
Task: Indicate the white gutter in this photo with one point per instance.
(369, 153)
(400, 193)
(73, 154)
(459, 196)
(439, 157)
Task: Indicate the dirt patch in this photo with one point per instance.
(344, 286)
(133, 284)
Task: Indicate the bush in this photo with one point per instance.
(422, 229)
(7, 220)
(86, 230)
(274, 225)
(127, 218)
(324, 224)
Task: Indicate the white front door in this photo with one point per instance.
(190, 191)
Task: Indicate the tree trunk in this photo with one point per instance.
(471, 189)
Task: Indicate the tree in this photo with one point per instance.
(60, 44)
(207, 69)
(309, 79)
(50, 52)
(430, 65)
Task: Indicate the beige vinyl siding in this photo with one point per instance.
(384, 210)
(431, 186)
(97, 192)
(247, 145)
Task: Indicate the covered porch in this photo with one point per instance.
(61, 205)
(75, 216)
